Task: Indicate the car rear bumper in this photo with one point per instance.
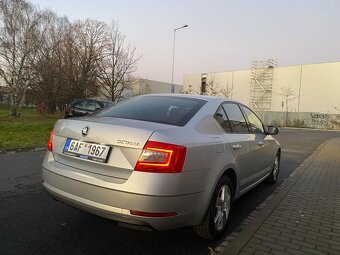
(116, 204)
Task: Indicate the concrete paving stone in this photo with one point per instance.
(293, 236)
(307, 228)
(314, 252)
(258, 247)
(289, 245)
(249, 250)
(274, 223)
(306, 235)
(322, 221)
(334, 226)
(335, 238)
(256, 240)
(276, 252)
(318, 234)
(261, 232)
(262, 253)
(264, 238)
(335, 247)
(289, 222)
(303, 243)
(331, 242)
(267, 225)
(273, 246)
(297, 228)
(245, 253)
(270, 231)
(305, 219)
(317, 242)
(283, 230)
(296, 252)
(280, 237)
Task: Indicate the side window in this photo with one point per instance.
(254, 121)
(92, 106)
(223, 120)
(80, 104)
(237, 122)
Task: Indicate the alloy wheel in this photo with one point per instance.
(222, 207)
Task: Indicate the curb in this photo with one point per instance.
(234, 243)
(17, 150)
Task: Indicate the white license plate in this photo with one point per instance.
(86, 150)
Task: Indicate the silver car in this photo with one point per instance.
(161, 161)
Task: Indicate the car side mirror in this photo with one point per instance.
(272, 130)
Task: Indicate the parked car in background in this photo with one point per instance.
(82, 107)
(162, 161)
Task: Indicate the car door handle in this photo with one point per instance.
(236, 146)
(260, 143)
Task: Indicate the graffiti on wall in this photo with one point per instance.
(335, 122)
(319, 120)
(302, 119)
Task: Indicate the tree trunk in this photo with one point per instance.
(15, 107)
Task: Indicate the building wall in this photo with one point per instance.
(316, 86)
(301, 119)
(144, 86)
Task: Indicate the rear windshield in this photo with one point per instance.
(167, 110)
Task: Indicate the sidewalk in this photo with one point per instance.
(304, 216)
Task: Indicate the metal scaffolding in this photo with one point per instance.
(261, 84)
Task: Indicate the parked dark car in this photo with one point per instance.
(82, 107)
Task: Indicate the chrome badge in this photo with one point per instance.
(85, 130)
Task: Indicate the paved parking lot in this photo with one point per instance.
(33, 223)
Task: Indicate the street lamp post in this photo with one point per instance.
(173, 59)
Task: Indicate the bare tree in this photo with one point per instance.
(118, 65)
(215, 89)
(90, 41)
(288, 95)
(49, 73)
(53, 61)
(20, 37)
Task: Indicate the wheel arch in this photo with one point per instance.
(231, 174)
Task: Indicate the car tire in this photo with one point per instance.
(272, 178)
(215, 221)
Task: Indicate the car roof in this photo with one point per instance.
(92, 99)
(196, 96)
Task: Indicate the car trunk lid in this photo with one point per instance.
(126, 139)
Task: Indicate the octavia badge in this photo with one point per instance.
(85, 130)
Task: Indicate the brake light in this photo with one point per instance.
(49, 143)
(160, 157)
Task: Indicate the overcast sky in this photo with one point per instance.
(222, 35)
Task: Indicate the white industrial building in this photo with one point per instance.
(311, 87)
(145, 86)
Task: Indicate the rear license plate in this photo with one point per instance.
(86, 150)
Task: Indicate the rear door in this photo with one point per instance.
(262, 148)
(242, 141)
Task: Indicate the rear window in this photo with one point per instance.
(167, 110)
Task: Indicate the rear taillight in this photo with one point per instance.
(160, 157)
(49, 143)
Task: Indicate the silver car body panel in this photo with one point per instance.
(112, 189)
